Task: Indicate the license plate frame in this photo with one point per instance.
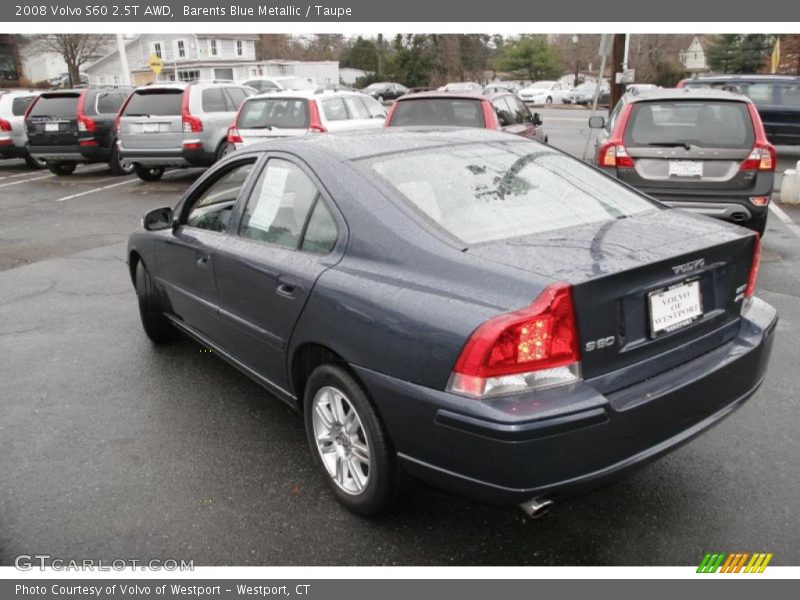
(670, 317)
(687, 169)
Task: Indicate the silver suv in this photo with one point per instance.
(178, 125)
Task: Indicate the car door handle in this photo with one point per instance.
(286, 290)
(202, 260)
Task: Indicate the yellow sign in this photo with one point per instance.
(775, 60)
(155, 64)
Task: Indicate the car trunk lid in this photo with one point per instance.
(53, 120)
(626, 272)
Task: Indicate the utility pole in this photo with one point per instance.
(380, 55)
(123, 60)
(617, 59)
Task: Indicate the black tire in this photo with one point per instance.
(549, 100)
(382, 485)
(148, 173)
(118, 165)
(155, 324)
(33, 162)
(222, 150)
(62, 169)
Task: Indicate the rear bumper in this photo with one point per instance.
(568, 440)
(71, 154)
(169, 157)
(11, 150)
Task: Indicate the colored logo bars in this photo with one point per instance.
(735, 562)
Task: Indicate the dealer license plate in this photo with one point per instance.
(675, 307)
(51, 126)
(685, 168)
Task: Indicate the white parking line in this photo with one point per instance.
(785, 219)
(2, 185)
(97, 189)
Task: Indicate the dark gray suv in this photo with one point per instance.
(701, 150)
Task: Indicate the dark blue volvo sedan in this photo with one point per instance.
(479, 310)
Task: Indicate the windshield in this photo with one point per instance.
(541, 85)
(480, 192)
(283, 113)
(57, 106)
(708, 124)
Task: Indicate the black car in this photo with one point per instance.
(385, 90)
(699, 150)
(67, 127)
(481, 310)
(777, 98)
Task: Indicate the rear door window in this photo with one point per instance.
(707, 124)
(284, 113)
(157, 103)
(334, 109)
(356, 108)
(57, 107)
(213, 100)
(20, 105)
(279, 206)
(374, 107)
(237, 96)
(109, 103)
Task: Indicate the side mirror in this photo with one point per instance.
(597, 122)
(158, 219)
(537, 119)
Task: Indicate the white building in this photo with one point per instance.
(41, 66)
(202, 56)
(694, 59)
(348, 75)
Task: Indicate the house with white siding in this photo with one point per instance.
(203, 56)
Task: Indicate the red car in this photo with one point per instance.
(502, 111)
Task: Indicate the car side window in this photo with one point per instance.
(356, 108)
(237, 96)
(375, 108)
(503, 111)
(524, 114)
(109, 103)
(334, 109)
(279, 206)
(20, 105)
(321, 232)
(212, 209)
(213, 100)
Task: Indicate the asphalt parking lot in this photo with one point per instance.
(112, 448)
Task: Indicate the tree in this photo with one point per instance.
(531, 56)
(737, 53)
(411, 62)
(360, 54)
(77, 49)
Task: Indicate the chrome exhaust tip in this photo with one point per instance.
(536, 507)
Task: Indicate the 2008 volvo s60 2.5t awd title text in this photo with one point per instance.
(477, 309)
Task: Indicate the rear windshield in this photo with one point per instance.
(481, 193)
(448, 112)
(161, 103)
(61, 106)
(708, 124)
(282, 113)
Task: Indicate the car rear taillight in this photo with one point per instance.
(489, 116)
(191, 124)
(314, 121)
(751, 279)
(233, 135)
(390, 114)
(614, 155)
(85, 124)
(613, 152)
(762, 157)
(532, 348)
(5, 125)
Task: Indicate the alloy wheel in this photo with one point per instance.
(341, 440)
